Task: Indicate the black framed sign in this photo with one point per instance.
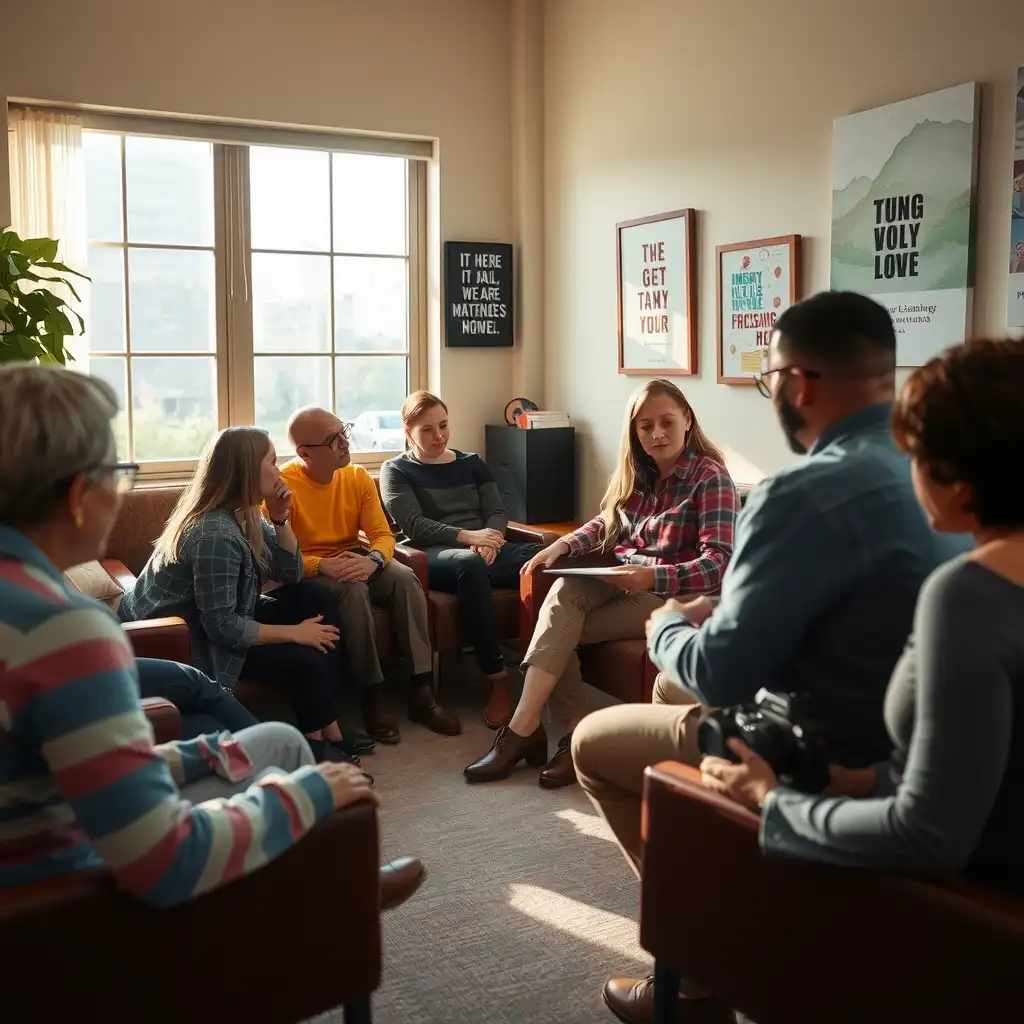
(478, 294)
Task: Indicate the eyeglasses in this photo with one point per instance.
(124, 474)
(762, 384)
(334, 441)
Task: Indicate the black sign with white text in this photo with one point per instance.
(478, 294)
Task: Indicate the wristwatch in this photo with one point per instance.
(282, 522)
(377, 557)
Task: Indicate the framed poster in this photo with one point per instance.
(756, 282)
(1015, 294)
(657, 297)
(478, 294)
(903, 202)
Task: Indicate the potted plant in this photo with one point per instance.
(33, 320)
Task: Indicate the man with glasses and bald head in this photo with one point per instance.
(348, 546)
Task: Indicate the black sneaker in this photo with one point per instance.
(355, 745)
(323, 750)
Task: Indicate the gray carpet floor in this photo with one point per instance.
(529, 905)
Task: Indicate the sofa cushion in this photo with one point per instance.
(144, 513)
(617, 667)
(448, 634)
(94, 581)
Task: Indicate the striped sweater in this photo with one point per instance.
(81, 782)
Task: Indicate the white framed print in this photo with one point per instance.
(756, 282)
(657, 295)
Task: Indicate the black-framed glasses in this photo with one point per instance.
(762, 383)
(334, 441)
(124, 474)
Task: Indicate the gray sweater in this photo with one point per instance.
(430, 504)
(949, 799)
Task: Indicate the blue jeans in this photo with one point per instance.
(464, 573)
(205, 706)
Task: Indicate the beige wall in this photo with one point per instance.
(439, 69)
(654, 105)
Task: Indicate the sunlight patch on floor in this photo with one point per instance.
(586, 824)
(613, 932)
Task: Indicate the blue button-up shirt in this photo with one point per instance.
(819, 596)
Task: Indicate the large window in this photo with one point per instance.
(235, 283)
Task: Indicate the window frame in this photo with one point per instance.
(235, 358)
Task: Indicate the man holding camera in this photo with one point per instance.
(817, 602)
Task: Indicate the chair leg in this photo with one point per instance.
(357, 1011)
(666, 994)
(436, 658)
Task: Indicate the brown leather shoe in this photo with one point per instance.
(399, 880)
(377, 722)
(508, 749)
(632, 1001)
(424, 710)
(499, 708)
(560, 770)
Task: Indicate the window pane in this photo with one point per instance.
(103, 187)
(113, 371)
(371, 390)
(170, 191)
(291, 303)
(172, 300)
(370, 195)
(371, 306)
(105, 319)
(289, 199)
(283, 385)
(174, 406)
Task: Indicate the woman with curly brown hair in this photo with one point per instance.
(948, 800)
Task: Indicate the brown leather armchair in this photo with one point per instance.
(100, 948)
(788, 942)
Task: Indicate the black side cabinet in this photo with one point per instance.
(535, 471)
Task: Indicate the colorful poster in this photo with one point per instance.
(757, 282)
(1015, 296)
(903, 183)
(657, 315)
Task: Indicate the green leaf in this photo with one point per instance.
(39, 250)
(62, 269)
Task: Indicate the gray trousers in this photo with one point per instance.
(395, 588)
(271, 746)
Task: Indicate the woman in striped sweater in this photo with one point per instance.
(83, 782)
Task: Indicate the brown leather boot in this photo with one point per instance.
(507, 751)
(399, 880)
(632, 1001)
(560, 770)
(424, 710)
(499, 708)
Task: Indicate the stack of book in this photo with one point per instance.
(539, 419)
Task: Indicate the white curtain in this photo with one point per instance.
(48, 197)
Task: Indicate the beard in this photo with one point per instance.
(792, 422)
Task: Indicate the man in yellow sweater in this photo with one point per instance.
(347, 544)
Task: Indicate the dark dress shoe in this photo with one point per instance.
(632, 1001)
(324, 750)
(378, 723)
(355, 745)
(399, 880)
(508, 749)
(424, 710)
(560, 770)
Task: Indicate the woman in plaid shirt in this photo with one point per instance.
(668, 518)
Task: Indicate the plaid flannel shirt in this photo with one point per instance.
(683, 529)
(214, 585)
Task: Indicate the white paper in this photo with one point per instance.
(595, 570)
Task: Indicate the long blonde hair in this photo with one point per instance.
(228, 476)
(635, 469)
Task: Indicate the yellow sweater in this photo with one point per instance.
(329, 518)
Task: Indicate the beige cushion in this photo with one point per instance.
(94, 581)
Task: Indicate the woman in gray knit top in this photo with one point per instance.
(948, 801)
(446, 502)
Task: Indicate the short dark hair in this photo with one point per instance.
(839, 331)
(959, 416)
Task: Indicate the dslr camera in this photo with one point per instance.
(767, 727)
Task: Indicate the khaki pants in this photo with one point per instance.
(611, 748)
(397, 589)
(582, 610)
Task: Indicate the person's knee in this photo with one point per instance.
(403, 578)
(275, 745)
(592, 742)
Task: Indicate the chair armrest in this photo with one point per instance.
(523, 534)
(105, 948)
(875, 938)
(164, 717)
(166, 639)
(119, 573)
(534, 587)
